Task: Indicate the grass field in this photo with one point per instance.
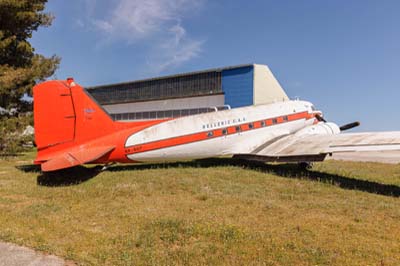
(215, 212)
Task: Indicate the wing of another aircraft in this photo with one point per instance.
(314, 147)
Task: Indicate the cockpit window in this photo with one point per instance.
(313, 108)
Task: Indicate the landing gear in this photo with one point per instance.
(305, 166)
(106, 166)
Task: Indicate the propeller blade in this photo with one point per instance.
(342, 128)
(320, 118)
(349, 126)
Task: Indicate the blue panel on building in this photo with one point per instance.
(237, 84)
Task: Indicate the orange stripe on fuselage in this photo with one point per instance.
(204, 135)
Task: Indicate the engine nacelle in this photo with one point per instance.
(320, 129)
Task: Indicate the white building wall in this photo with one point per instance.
(169, 104)
(266, 88)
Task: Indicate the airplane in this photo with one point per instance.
(72, 129)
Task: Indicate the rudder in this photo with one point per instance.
(54, 114)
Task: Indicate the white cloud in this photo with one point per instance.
(175, 51)
(157, 22)
(79, 23)
(135, 19)
(104, 26)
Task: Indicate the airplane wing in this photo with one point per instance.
(315, 147)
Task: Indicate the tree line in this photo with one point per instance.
(20, 67)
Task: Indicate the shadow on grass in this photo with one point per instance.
(284, 170)
(80, 174)
(29, 168)
(66, 177)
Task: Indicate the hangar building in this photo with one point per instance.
(190, 93)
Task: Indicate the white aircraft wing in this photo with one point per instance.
(314, 147)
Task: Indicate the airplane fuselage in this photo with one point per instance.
(221, 133)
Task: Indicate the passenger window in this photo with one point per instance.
(238, 129)
(274, 121)
(262, 123)
(251, 125)
(224, 131)
(210, 134)
(285, 118)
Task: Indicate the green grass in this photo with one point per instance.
(218, 212)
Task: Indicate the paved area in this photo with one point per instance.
(392, 157)
(13, 255)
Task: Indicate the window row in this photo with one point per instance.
(244, 127)
(163, 114)
(174, 87)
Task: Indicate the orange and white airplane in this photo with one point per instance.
(72, 129)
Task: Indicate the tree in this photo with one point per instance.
(20, 67)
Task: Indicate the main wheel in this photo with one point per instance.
(304, 166)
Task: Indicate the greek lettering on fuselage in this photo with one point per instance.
(224, 123)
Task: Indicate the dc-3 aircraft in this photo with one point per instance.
(72, 129)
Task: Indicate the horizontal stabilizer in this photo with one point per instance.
(75, 157)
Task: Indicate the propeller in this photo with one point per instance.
(349, 126)
(320, 118)
(342, 128)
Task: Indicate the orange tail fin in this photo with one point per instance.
(54, 114)
(64, 113)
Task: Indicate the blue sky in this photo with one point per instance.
(344, 56)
